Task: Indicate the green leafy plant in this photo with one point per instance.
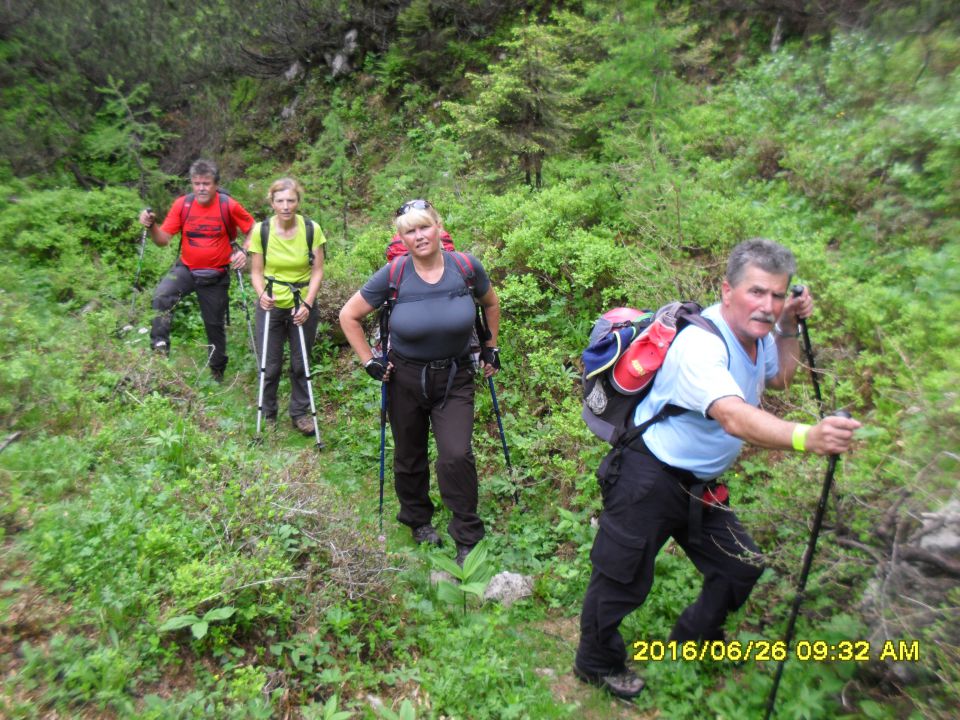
(327, 711)
(406, 712)
(473, 577)
(198, 625)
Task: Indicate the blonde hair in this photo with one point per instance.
(285, 183)
(416, 217)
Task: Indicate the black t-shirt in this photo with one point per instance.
(429, 321)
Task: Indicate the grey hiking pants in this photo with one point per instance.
(284, 333)
(213, 296)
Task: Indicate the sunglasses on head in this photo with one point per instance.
(413, 205)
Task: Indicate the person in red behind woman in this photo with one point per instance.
(207, 220)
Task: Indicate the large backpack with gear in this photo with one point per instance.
(624, 353)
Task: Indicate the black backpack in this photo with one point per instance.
(223, 199)
(308, 225)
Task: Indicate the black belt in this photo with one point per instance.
(452, 363)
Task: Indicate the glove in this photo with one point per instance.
(375, 368)
(491, 356)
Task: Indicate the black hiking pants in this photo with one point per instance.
(418, 399)
(213, 296)
(645, 507)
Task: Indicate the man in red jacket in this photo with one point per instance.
(207, 220)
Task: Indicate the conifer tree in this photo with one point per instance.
(523, 106)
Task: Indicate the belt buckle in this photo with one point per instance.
(439, 364)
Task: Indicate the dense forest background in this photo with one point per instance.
(155, 564)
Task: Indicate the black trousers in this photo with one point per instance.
(213, 296)
(283, 333)
(644, 508)
(450, 414)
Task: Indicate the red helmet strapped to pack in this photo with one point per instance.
(639, 363)
(611, 335)
(624, 353)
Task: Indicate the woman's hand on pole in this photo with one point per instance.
(267, 302)
(301, 314)
(490, 361)
(378, 369)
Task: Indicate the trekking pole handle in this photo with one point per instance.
(143, 235)
(797, 291)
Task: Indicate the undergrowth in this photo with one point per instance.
(157, 564)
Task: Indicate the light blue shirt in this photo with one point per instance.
(695, 375)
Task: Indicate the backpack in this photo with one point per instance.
(308, 225)
(625, 351)
(223, 198)
(395, 275)
(396, 248)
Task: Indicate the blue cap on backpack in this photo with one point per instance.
(602, 354)
(610, 337)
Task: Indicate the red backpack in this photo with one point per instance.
(396, 248)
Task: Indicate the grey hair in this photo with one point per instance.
(765, 254)
(205, 167)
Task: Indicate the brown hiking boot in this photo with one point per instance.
(304, 424)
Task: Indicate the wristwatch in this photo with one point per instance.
(779, 331)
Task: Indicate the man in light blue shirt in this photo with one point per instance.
(704, 404)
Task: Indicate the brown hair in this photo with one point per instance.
(285, 183)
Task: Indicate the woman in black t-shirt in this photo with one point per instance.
(428, 369)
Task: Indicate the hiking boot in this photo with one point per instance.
(426, 534)
(161, 347)
(626, 684)
(304, 424)
(462, 552)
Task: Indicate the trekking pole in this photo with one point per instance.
(384, 330)
(805, 572)
(483, 334)
(263, 359)
(246, 310)
(306, 370)
(136, 282)
(383, 445)
(503, 437)
(797, 290)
